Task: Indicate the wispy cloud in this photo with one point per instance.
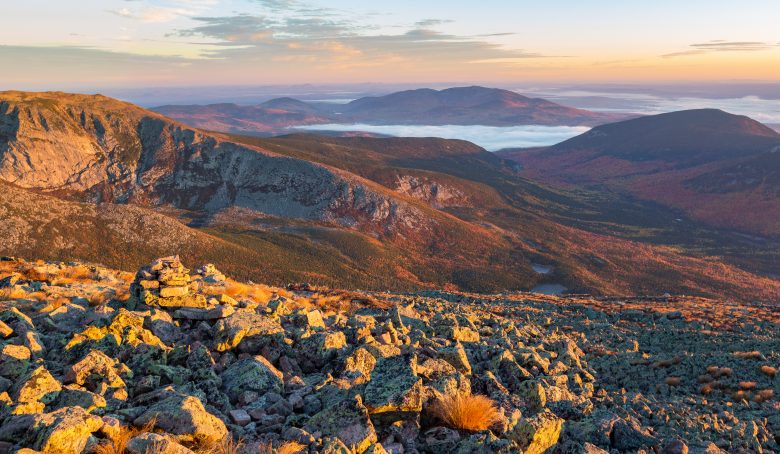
(293, 31)
(163, 12)
(723, 46)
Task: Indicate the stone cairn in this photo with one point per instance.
(166, 283)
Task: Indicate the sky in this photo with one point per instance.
(83, 44)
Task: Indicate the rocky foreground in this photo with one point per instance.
(168, 360)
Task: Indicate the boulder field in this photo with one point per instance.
(179, 361)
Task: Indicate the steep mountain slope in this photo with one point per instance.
(425, 213)
(102, 150)
(466, 106)
(274, 250)
(717, 167)
(459, 106)
(577, 235)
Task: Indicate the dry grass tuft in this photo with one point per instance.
(225, 446)
(764, 395)
(746, 385)
(289, 447)
(466, 412)
(673, 381)
(118, 443)
(98, 298)
(718, 372)
(257, 293)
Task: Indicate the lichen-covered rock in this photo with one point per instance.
(5, 330)
(14, 360)
(254, 329)
(537, 434)
(456, 355)
(65, 431)
(394, 388)
(358, 365)
(34, 390)
(348, 421)
(125, 330)
(72, 396)
(185, 416)
(208, 313)
(99, 373)
(533, 393)
(343, 373)
(252, 374)
(320, 348)
(441, 439)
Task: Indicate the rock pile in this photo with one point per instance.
(165, 283)
(181, 367)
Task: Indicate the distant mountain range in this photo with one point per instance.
(92, 178)
(720, 168)
(452, 106)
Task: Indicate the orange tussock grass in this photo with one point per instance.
(289, 447)
(118, 443)
(98, 298)
(466, 412)
(667, 362)
(745, 385)
(35, 275)
(764, 395)
(716, 371)
(673, 381)
(257, 293)
(225, 446)
(768, 370)
(54, 303)
(74, 274)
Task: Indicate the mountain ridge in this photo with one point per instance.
(718, 167)
(473, 105)
(406, 213)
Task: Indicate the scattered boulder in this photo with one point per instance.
(251, 374)
(34, 391)
(348, 421)
(146, 443)
(394, 389)
(537, 434)
(65, 431)
(185, 416)
(254, 330)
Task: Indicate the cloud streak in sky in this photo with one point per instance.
(723, 46)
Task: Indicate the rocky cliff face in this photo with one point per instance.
(104, 150)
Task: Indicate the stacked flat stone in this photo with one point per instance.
(165, 283)
(210, 274)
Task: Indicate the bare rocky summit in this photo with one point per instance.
(176, 360)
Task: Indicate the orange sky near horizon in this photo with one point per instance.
(109, 43)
